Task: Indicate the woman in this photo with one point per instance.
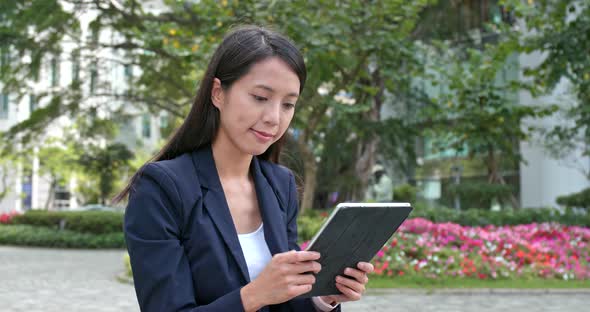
(211, 222)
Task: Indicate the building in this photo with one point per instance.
(102, 73)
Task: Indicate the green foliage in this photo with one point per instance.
(481, 217)
(478, 194)
(405, 193)
(28, 235)
(561, 29)
(477, 108)
(106, 165)
(364, 51)
(308, 226)
(577, 200)
(92, 222)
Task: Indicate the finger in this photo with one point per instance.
(284, 257)
(304, 279)
(309, 266)
(303, 256)
(366, 267)
(297, 290)
(350, 294)
(360, 276)
(350, 283)
(298, 256)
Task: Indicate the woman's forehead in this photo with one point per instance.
(273, 75)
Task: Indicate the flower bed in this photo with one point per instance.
(440, 250)
(546, 250)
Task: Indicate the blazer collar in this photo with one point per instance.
(275, 229)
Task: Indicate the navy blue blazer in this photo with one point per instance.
(184, 248)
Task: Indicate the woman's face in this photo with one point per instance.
(257, 109)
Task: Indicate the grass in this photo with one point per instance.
(377, 282)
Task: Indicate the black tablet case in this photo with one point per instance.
(353, 235)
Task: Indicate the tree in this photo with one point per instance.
(360, 48)
(106, 165)
(57, 164)
(5, 173)
(479, 111)
(560, 29)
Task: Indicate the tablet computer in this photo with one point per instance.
(354, 232)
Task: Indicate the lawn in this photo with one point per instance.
(379, 282)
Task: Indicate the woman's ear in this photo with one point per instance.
(217, 93)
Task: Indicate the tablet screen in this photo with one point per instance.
(354, 232)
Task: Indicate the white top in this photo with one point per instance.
(255, 250)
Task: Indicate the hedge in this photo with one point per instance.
(576, 200)
(481, 217)
(94, 222)
(28, 235)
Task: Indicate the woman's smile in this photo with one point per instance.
(262, 136)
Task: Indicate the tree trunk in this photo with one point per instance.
(495, 177)
(310, 169)
(49, 201)
(365, 162)
(367, 148)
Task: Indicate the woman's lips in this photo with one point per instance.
(263, 136)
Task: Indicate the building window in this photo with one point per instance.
(55, 71)
(32, 103)
(4, 106)
(128, 71)
(164, 121)
(146, 126)
(75, 66)
(93, 78)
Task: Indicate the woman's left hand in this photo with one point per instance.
(351, 286)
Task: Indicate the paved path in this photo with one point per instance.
(49, 280)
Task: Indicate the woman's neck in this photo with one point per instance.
(231, 163)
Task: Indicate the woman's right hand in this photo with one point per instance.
(284, 277)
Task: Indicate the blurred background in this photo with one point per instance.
(475, 111)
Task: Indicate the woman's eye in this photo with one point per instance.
(289, 105)
(259, 98)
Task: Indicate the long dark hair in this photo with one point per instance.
(239, 50)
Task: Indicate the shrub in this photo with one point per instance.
(27, 235)
(479, 194)
(576, 200)
(405, 193)
(308, 226)
(95, 222)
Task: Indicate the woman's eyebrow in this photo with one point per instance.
(265, 87)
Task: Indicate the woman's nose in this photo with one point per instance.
(272, 114)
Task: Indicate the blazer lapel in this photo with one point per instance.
(275, 229)
(216, 205)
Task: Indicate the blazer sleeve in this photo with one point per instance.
(161, 272)
(298, 304)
